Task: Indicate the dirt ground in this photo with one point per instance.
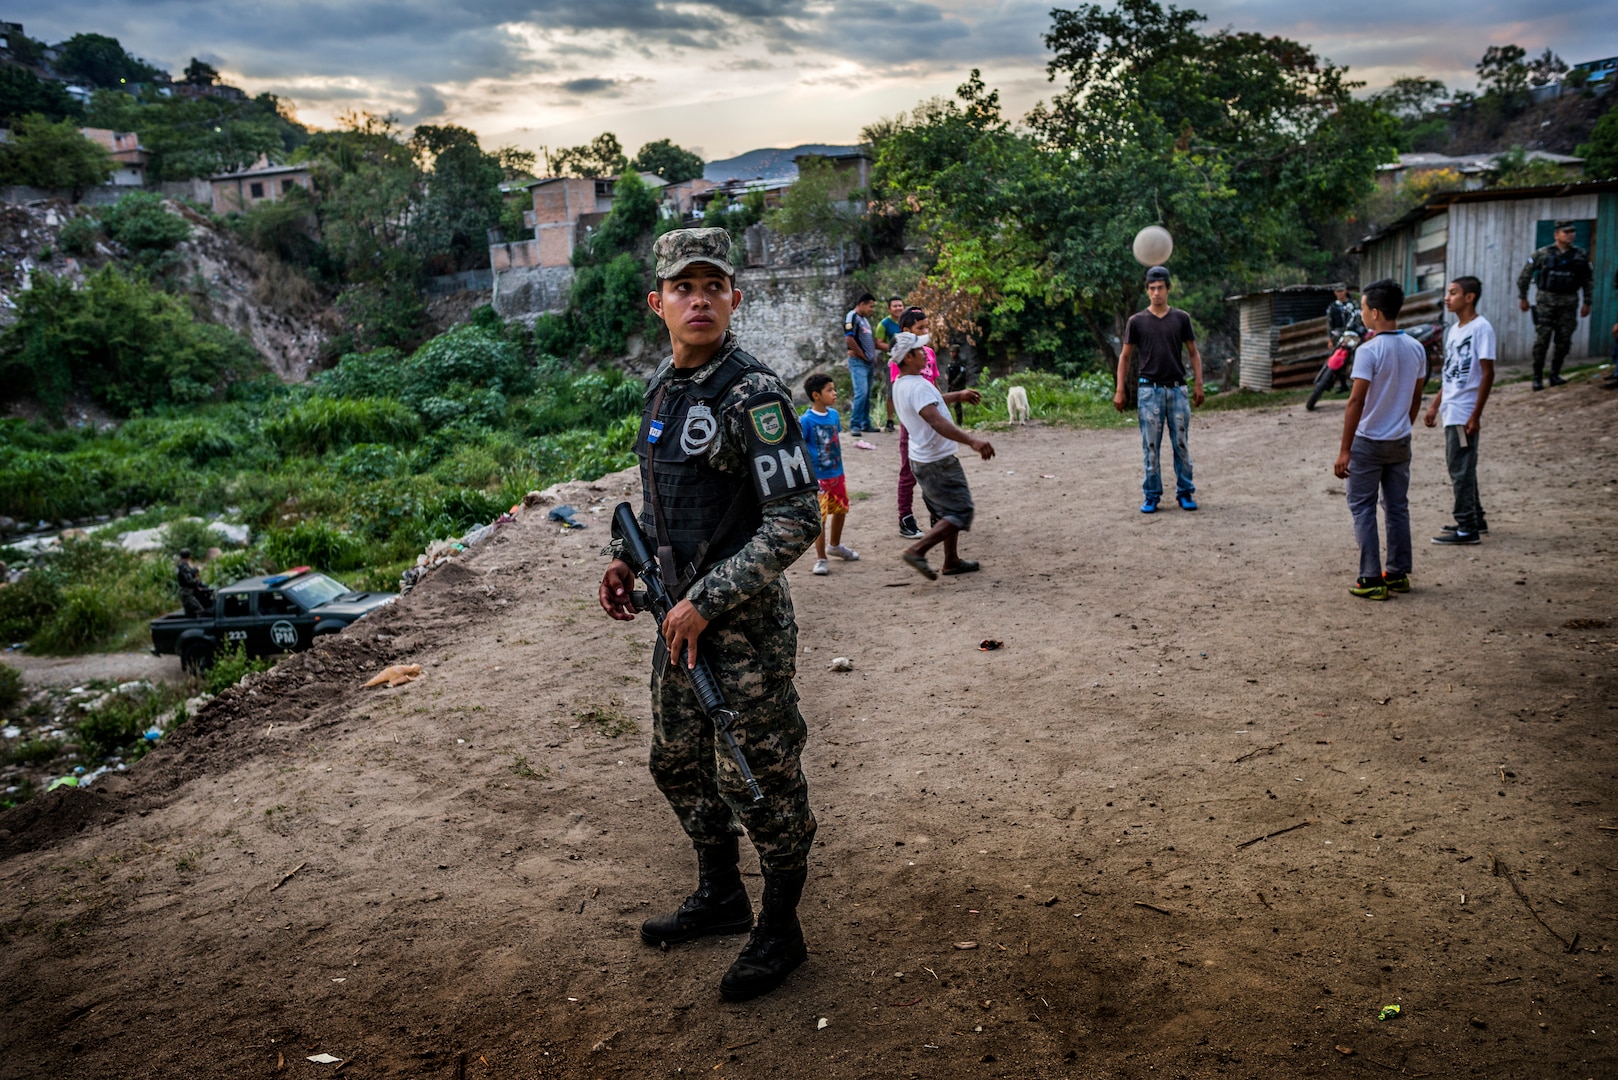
(445, 879)
(115, 667)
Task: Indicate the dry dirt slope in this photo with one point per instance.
(474, 850)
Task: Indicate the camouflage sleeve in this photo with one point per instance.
(790, 523)
(1589, 284)
(1526, 276)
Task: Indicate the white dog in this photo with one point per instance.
(1017, 404)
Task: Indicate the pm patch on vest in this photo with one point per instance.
(779, 460)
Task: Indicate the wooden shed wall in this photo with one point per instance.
(1255, 343)
(1493, 241)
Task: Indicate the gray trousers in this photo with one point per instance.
(1380, 467)
(1463, 476)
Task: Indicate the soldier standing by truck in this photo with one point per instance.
(1559, 271)
(730, 503)
(192, 589)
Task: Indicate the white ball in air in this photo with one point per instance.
(1153, 246)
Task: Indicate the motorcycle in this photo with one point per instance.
(1332, 370)
(1430, 336)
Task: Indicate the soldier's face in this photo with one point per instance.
(1564, 238)
(1342, 294)
(696, 305)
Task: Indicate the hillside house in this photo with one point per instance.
(126, 151)
(565, 210)
(1492, 235)
(235, 193)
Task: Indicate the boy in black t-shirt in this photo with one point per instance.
(1157, 336)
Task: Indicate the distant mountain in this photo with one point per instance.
(766, 163)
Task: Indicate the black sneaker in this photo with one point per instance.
(1539, 384)
(1457, 537)
(1483, 530)
(1557, 380)
(908, 527)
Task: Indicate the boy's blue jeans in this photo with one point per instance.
(859, 415)
(1160, 407)
(1377, 466)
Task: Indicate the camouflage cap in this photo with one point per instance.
(1561, 225)
(681, 248)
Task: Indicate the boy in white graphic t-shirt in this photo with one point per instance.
(1469, 355)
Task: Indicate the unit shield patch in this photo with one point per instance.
(769, 422)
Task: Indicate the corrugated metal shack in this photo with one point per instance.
(1282, 344)
(1492, 234)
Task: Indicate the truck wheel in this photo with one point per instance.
(196, 657)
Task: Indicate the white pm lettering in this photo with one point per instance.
(766, 468)
(794, 462)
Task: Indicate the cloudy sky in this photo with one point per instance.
(725, 76)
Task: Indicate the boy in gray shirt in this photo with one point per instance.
(1390, 370)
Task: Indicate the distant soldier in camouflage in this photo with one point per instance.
(1560, 271)
(730, 503)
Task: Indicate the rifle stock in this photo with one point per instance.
(712, 699)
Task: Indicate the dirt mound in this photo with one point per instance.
(1204, 815)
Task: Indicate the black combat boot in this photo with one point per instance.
(719, 906)
(776, 945)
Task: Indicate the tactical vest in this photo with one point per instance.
(710, 515)
(1561, 273)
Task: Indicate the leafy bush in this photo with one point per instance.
(370, 461)
(322, 424)
(311, 543)
(25, 605)
(79, 236)
(610, 303)
(53, 156)
(143, 225)
(127, 344)
(84, 619)
(10, 688)
(230, 663)
(188, 533)
(380, 314)
(232, 566)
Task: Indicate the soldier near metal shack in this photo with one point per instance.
(191, 587)
(1559, 271)
(729, 503)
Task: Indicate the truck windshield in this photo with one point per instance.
(312, 590)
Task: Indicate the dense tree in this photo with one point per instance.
(200, 136)
(460, 201)
(102, 62)
(55, 156)
(198, 73)
(602, 156)
(1503, 71)
(672, 163)
(1600, 154)
(22, 92)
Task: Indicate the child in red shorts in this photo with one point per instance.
(820, 423)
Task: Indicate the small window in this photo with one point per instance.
(274, 603)
(236, 606)
(288, 185)
(256, 189)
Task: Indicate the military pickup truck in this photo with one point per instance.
(280, 613)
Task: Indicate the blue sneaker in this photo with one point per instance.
(1187, 503)
(1149, 506)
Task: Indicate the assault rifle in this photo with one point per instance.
(659, 603)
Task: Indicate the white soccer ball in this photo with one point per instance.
(1153, 246)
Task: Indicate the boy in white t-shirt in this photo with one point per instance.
(1390, 369)
(1469, 355)
(924, 412)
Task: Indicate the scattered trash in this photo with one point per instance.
(236, 534)
(396, 675)
(1388, 1012)
(11, 731)
(966, 945)
(989, 644)
(323, 1059)
(152, 734)
(1345, 1050)
(823, 1024)
(533, 499)
(564, 514)
(842, 663)
(863, 445)
(1047, 476)
(63, 781)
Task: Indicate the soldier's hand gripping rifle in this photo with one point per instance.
(659, 603)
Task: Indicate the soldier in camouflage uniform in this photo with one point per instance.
(1560, 270)
(730, 503)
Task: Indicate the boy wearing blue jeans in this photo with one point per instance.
(1390, 370)
(1159, 334)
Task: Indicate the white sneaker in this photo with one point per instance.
(822, 567)
(847, 554)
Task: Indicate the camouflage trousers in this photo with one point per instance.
(1554, 316)
(752, 651)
